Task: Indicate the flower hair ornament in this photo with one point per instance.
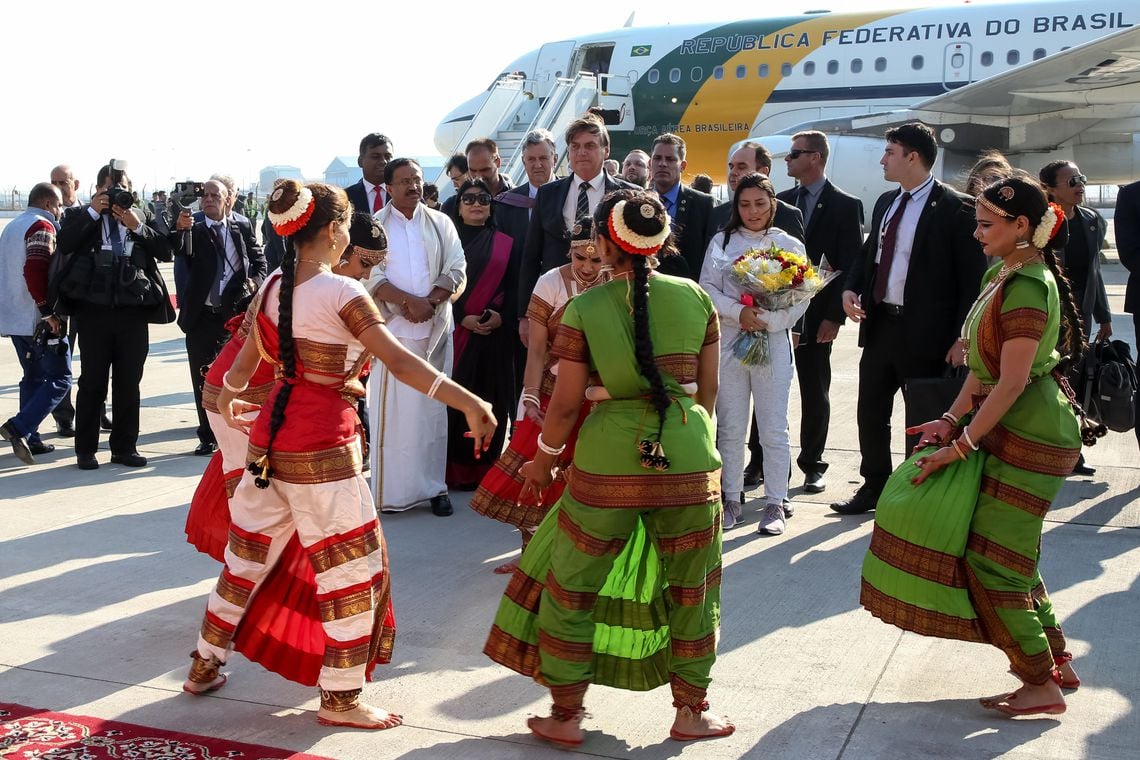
(1049, 225)
(628, 240)
(296, 216)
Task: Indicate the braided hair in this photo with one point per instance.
(330, 204)
(649, 226)
(1028, 199)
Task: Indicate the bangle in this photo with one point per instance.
(435, 384)
(969, 441)
(548, 450)
(528, 398)
(958, 449)
(231, 388)
(949, 417)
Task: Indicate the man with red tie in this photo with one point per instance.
(909, 289)
(369, 194)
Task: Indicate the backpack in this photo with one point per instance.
(1110, 385)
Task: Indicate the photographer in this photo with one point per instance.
(224, 267)
(111, 284)
(26, 247)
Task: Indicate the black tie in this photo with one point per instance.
(583, 201)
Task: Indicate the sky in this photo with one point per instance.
(184, 90)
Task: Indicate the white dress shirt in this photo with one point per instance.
(593, 195)
(904, 239)
(371, 191)
(230, 254)
(407, 269)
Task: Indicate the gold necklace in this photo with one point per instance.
(984, 298)
(323, 265)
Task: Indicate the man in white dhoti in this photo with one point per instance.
(425, 271)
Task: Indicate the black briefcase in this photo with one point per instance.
(928, 398)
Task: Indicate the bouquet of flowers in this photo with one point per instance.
(773, 279)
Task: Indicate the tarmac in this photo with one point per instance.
(101, 599)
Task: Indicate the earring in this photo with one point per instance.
(1022, 244)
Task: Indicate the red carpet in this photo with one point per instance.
(27, 732)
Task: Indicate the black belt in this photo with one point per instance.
(216, 309)
(892, 310)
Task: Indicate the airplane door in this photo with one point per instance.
(554, 61)
(956, 65)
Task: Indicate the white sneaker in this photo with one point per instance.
(733, 515)
(772, 522)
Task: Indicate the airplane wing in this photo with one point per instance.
(1088, 93)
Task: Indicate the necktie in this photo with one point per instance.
(583, 201)
(220, 245)
(803, 203)
(378, 201)
(668, 205)
(890, 235)
(115, 236)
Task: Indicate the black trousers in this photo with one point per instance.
(111, 342)
(1136, 338)
(883, 370)
(813, 372)
(203, 343)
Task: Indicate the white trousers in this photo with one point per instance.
(409, 437)
(767, 387)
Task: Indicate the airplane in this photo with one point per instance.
(1036, 80)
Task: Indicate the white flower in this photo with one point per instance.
(1044, 230)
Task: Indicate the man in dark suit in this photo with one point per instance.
(690, 211)
(910, 288)
(225, 266)
(483, 161)
(559, 203)
(833, 222)
(369, 194)
(1127, 225)
(754, 157)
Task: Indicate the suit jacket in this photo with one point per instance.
(943, 278)
(547, 239)
(788, 218)
(1127, 225)
(1093, 302)
(835, 231)
(202, 268)
(358, 196)
(692, 230)
(513, 220)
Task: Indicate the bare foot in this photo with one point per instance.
(564, 733)
(1030, 699)
(506, 568)
(199, 689)
(361, 716)
(1069, 677)
(690, 725)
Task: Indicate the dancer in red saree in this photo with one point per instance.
(318, 330)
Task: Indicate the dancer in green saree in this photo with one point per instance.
(646, 475)
(956, 545)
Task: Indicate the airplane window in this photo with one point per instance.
(762, 72)
(833, 67)
(1038, 54)
(697, 73)
(718, 72)
(652, 76)
(856, 65)
(785, 69)
(957, 60)
(916, 62)
(880, 64)
(741, 72)
(809, 68)
(1012, 57)
(674, 75)
(987, 58)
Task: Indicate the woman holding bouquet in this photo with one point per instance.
(766, 384)
(956, 548)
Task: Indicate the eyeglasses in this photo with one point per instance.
(1080, 179)
(470, 199)
(793, 154)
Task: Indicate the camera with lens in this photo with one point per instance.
(120, 193)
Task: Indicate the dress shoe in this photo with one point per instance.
(789, 509)
(814, 482)
(19, 443)
(39, 447)
(86, 462)
(1083, 469)
(130, 459)
(862, 501)
(105, 422)
(754, 472)
(205, 449)
(441, 506)
(65, 430)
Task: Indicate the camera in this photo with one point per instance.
(120, 193)
(185, 195)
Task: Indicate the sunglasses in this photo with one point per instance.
(1080, 179)
(793, 154)
(470, 199)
